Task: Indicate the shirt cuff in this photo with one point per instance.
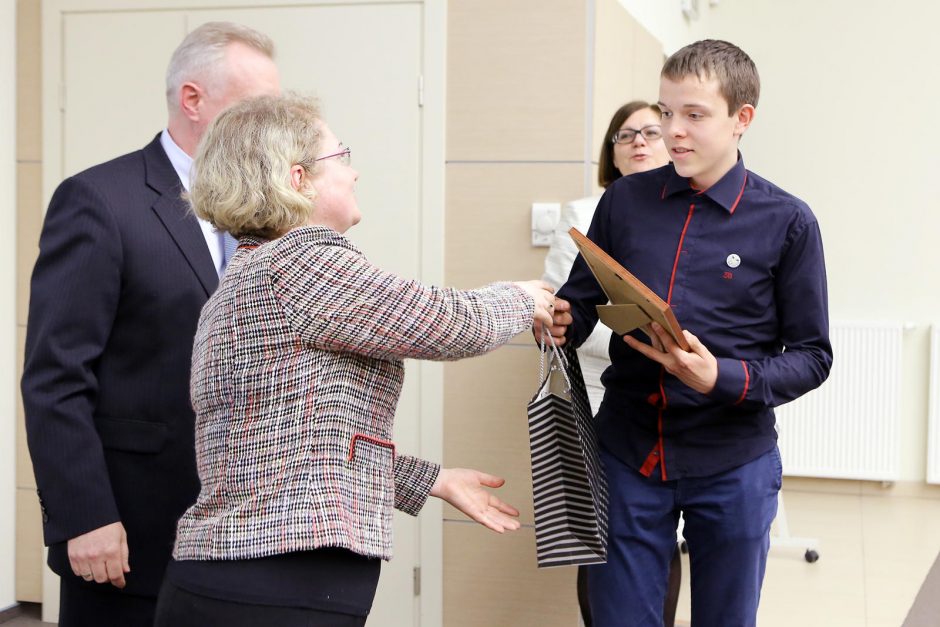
(414, 479)
(733, 381)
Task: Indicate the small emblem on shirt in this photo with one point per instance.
(733, 261)
(727, 276)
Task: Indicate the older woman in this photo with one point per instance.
(296, 372)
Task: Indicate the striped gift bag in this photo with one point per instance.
(568, 484)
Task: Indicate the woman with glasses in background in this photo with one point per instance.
(633, 143)
(296, 372)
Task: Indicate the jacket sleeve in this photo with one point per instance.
(803, 313)
(337, 301)
(73, 301)
(414, 479)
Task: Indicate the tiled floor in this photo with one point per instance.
(876, 546)
(28, 616)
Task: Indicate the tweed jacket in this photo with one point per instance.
(297, 368)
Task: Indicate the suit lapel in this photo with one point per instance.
(176, 217)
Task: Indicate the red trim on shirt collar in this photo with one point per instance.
(678, 184)
(740, 193)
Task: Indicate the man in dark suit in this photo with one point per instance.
(123, 272)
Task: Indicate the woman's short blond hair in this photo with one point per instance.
(241, 174)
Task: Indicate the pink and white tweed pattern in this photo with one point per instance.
(296, 372)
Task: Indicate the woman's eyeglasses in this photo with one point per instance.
(345, 155)
(627, 135)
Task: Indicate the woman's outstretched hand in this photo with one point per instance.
(544, 296)
(466, 489)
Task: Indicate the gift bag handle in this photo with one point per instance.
(556, 355)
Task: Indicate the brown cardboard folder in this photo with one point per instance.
(633, 305)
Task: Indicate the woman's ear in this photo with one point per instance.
(297, 175)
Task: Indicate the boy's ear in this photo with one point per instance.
(745, 116)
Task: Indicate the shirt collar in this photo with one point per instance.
(181, 162)
(726, 192)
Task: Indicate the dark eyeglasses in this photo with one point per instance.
(345, 155)
(627, 135)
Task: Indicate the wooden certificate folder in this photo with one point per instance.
(633, 305)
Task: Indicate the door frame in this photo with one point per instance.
(8, 312)
(431, 245)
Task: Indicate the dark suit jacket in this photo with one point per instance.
(122, 275)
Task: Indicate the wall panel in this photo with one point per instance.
(492, 580)
(489, 223)
(29, 210)
(515, 80)
(28, 81)
(29, 553)
(29, 213)
(486, 423)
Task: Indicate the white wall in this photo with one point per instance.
(7, 312)
(665, 20)
(845, 122)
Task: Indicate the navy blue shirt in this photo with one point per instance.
(741, 265)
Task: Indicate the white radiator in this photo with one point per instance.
(933, 415)
(849, 428)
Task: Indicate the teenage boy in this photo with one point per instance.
(740, 262)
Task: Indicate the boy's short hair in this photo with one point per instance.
(736, 73)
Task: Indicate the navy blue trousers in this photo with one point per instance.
(727, 526)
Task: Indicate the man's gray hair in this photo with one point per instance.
(198, 58)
